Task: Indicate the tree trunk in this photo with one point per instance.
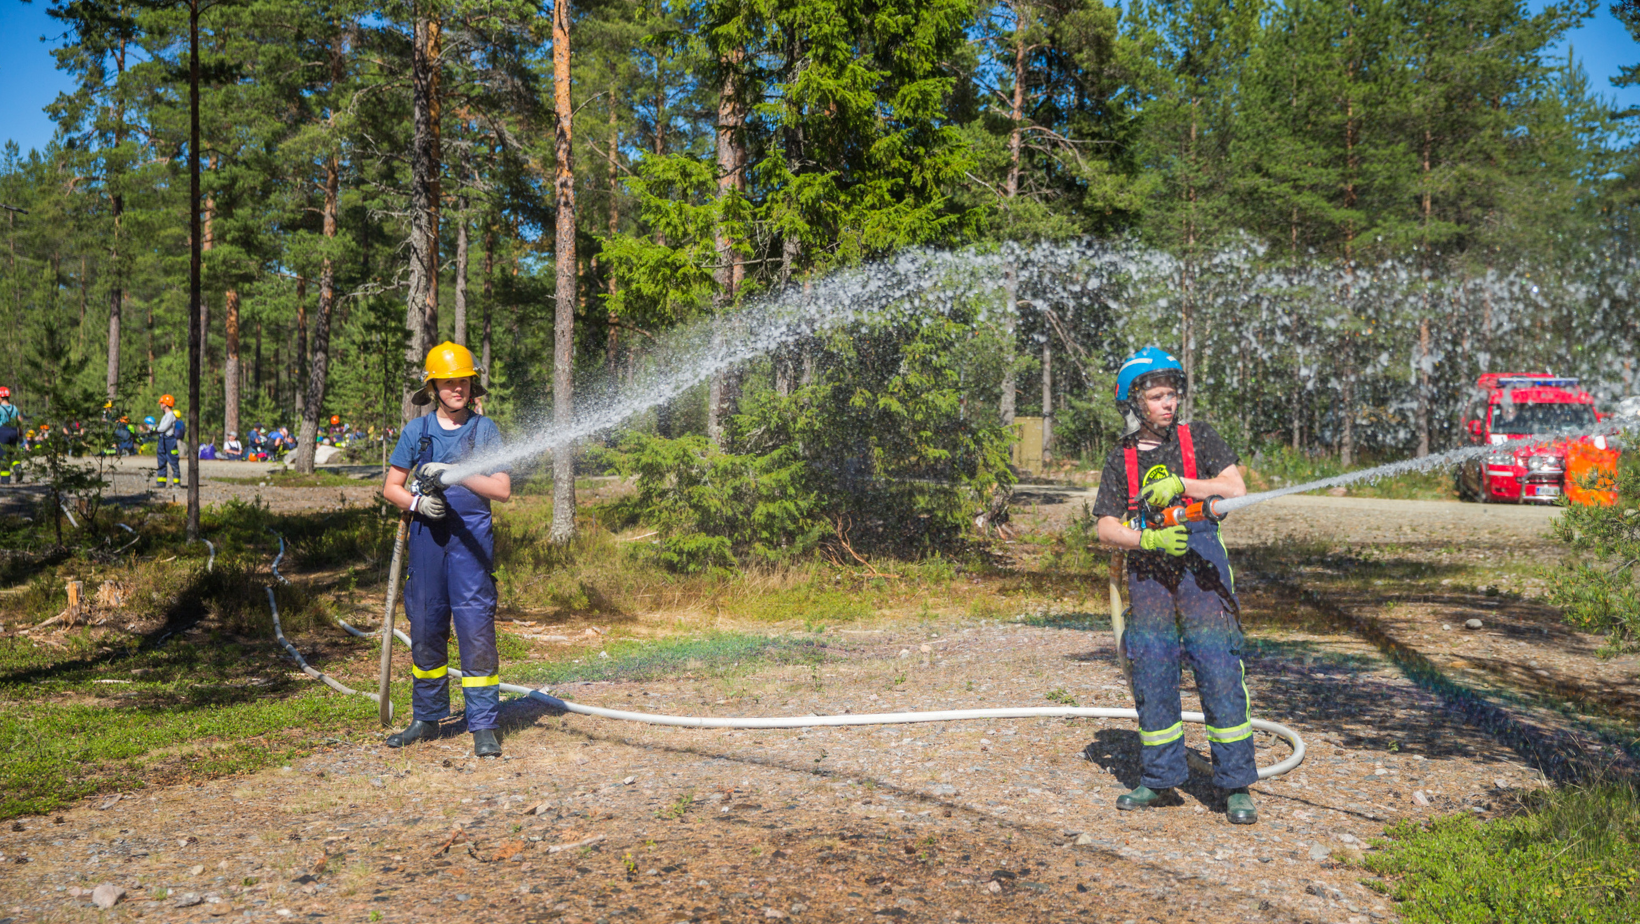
(1422, 374)
(489, 267)
(314, 403)
(230, 362)
(461, 275)
(301, 342)
(612, 346)
(1010, 271)
(563, 353)
(1187, 279)
(421, 307)
(724, 390)
(195, 260)
(1423, 382)
(116, 294)
(1047, 397)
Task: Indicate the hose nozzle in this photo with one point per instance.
(1194, 512)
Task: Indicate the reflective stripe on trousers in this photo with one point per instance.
(1187, 607)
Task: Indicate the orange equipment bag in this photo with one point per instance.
(1584, 461)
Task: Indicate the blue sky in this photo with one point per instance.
(28, 79)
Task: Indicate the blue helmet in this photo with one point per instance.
(1143, 364)
(150, 421)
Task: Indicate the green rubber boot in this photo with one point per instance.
(1141, 797)
(1240, 810)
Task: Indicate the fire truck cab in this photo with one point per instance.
(1512, 405)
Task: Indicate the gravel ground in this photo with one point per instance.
(965, 822)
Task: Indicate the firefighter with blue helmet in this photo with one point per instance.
(1181, 591)
(451, 553)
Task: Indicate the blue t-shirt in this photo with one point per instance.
(448, 445)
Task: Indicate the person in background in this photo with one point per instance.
(232, 448)
(165, 450)
(125, 444)
(11, 435)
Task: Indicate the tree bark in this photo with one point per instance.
(462, 255)
(1187, 280)
(195, 259)
(230, 362)
(301, 343)
(1010, 271)
(421, 307)
(563, 353)
(116, 295)
(724, 390)
(488, 288)
(1047, 397)
(461, 274)
(612, 346)
(314, 403)
(1422, 375)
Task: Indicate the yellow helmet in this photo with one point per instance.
(448, 360)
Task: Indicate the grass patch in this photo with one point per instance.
(321, 478)
(714, 655)
(1572, 856)
(182, 711)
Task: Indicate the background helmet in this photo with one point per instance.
(167, 401)
(5, 392)
(335, 420)
(448, 360)
(1148, 362)
(150, 421)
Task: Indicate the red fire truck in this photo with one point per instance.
(1511, 405)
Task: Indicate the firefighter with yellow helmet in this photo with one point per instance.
(451, 550)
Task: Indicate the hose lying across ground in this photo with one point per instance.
(800, 721)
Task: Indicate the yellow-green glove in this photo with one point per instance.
(1162, 491)
(1174, 540)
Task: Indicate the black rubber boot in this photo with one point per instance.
(418, 731)
(485, 743)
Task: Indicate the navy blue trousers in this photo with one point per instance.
(165, 453)
(450, 583)
(1187, 606)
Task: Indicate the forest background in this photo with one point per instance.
(1337, 213)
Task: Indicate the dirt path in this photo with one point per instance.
(965, 822)
(974, 821)
(131, 483)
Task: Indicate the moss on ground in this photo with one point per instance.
(1572, 856)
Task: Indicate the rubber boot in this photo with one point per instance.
(418, 731)
(1239, 808)
(485, 743)
(1141, 797)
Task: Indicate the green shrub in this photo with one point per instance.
(1599, 594)
(715, 508)
(876, 454)
(1574, 857)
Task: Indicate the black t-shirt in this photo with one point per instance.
(1213, 455)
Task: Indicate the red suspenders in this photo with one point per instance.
(1187, 452)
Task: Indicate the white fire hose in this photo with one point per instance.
(815, 721)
